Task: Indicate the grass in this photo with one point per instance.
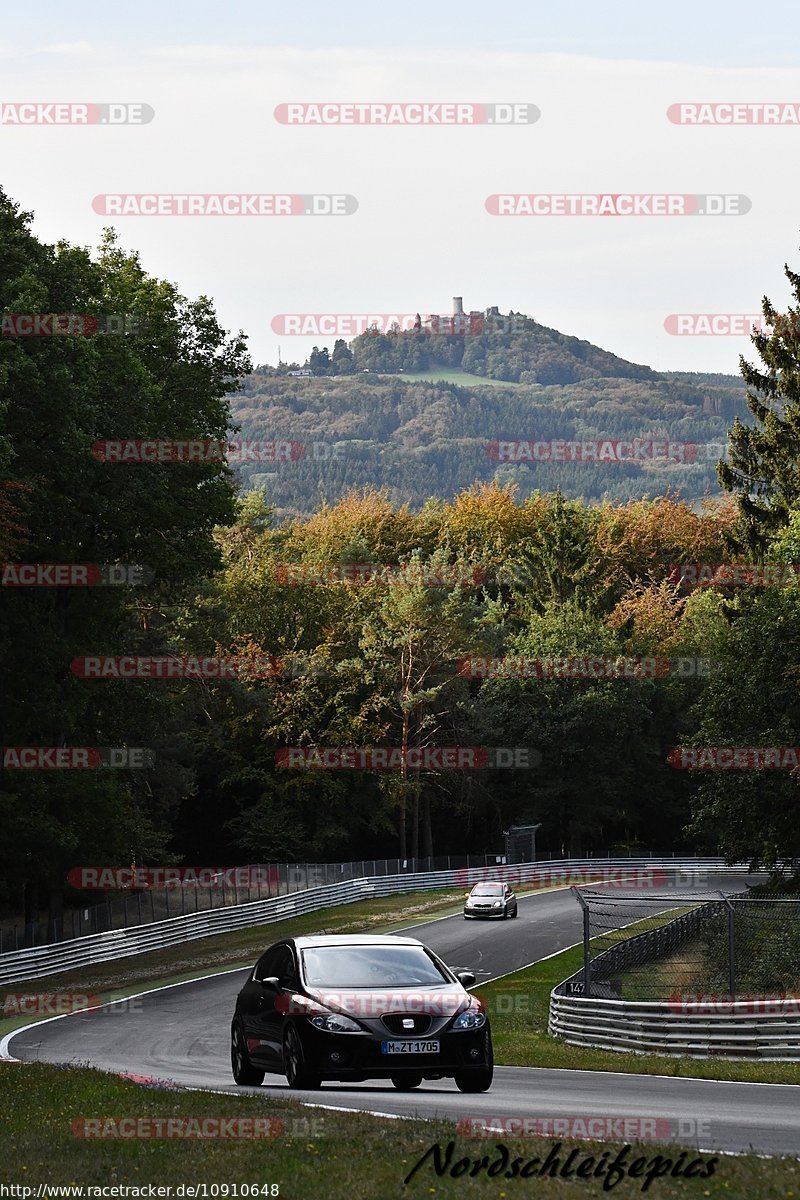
(518, 1006)
(315, 1155)
(453, 375)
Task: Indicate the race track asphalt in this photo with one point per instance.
(181, 1033)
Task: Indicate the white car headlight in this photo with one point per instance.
(335, 1023)
(473, 1018)
(497, 904)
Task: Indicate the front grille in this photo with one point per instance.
(394, 1023)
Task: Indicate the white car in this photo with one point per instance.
(490, 900)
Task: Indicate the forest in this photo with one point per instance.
(358, 623)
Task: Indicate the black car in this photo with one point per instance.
(356, 1007)
(490, 900)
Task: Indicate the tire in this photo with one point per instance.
(474, 1081)
(244, 1073)
(516, 912)
(505, 914)
(295, 1069)
(404, 1083)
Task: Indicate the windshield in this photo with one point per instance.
(370, 966)
(488, 889)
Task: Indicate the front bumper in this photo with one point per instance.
(484, 913)
(359, 1056)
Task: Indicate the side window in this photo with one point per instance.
(268, 963)
(285, 968)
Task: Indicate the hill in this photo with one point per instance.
(426, 413)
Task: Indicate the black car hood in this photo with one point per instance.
(443, 1000)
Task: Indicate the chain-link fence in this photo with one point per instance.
(688, 946)
(98, 911)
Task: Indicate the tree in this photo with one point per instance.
(170, 381)
(764, 467)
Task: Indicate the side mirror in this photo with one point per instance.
(466, 978)
(467, 895)
(272, 982)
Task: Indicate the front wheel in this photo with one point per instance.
(474, 1081)
(404, 1083)
(295, 1067)
(244, 1073)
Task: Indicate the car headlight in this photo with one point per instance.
(335, 1023)
(472, 1018)
(497, 904)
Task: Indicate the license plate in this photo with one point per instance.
(410, 1047)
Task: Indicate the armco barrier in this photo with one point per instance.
(40, 961)
(744, 1028)
(655, 1027)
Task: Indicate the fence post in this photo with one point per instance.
(587, 983)
(731, 950)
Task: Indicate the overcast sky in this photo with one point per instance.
(603, 77)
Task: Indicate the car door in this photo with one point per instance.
(257, 1006)
(273, 1012)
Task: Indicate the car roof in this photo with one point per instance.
(352, 939)
(489, 883)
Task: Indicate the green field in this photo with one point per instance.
(311, 1153)
(454, 375)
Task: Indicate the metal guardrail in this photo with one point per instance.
(734, 1030)
(33, 963)
(760, 1028)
